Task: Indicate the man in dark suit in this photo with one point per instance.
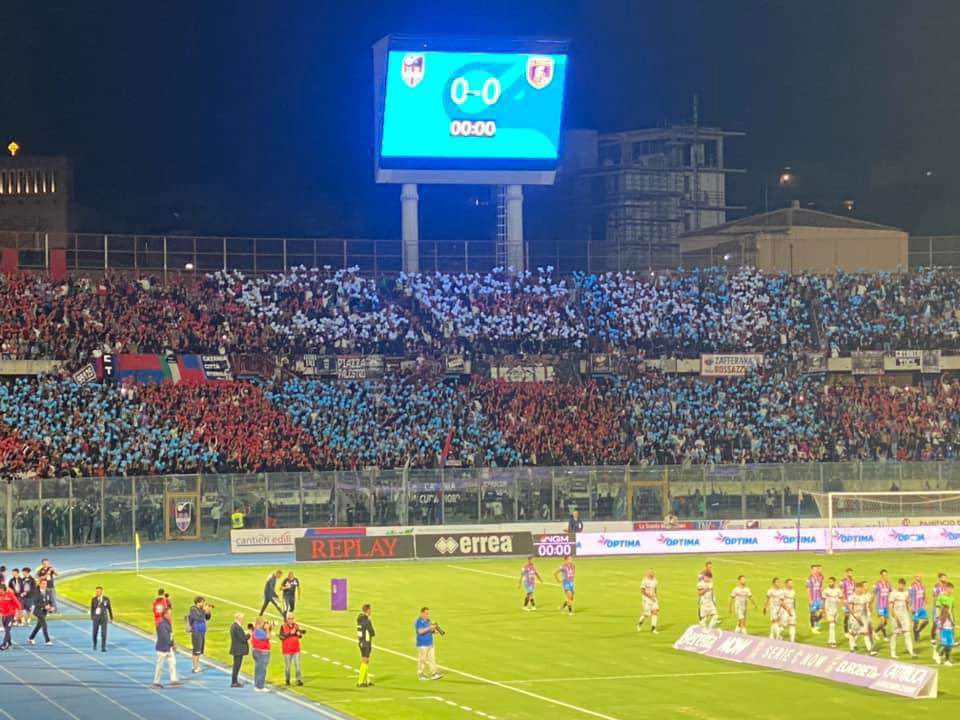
(42, 602)
(101, 614)
(239, 648)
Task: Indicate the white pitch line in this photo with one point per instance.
(496, 574)
(352, 640)
(637, 677)
(164, 559)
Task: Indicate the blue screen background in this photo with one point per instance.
(416, 121)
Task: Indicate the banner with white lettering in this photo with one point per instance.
(906, 359)
(86, 374)
(874, 673)
(216, 367)
(730, 365)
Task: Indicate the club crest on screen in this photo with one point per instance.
(412, 69)
(539, 72)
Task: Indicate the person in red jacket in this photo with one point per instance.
(290, 635)
(161, 603)
(9, 607)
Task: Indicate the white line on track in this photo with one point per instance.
(80, 682)
(44, 696)
(352, 640)
(7, 715)
(588, 678)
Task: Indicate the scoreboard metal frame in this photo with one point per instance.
(467, 171)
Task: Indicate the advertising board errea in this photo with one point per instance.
(474, 544)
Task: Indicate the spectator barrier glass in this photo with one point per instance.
(82, 511)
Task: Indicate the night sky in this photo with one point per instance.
(255, 117)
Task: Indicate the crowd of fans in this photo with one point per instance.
(321, 310)
(54, 427)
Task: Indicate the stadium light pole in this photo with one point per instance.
(785, 178)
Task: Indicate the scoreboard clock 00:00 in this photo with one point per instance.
(554, 545)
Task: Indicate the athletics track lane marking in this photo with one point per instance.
(462, 673)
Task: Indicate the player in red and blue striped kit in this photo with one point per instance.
(815, 596)
(918, 604)
(528, 580)
(881, 596)
(567, 576)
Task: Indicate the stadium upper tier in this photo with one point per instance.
(55, 427)
(326, 311)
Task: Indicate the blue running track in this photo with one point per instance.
(69, 681)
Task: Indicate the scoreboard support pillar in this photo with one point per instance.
(515, 254)
(410, 227)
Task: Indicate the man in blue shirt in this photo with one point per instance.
(426, 655)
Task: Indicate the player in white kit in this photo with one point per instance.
(772, 607)
(859, 624)
(739, 597)
(902, 623)
(707, 601)
(832, 605)
(651, 603)
(788, 609)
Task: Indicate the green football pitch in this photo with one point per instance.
(503, 663)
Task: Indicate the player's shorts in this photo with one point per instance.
(902, 622)
(567, 586)
(708, 609)
(883, 612)
(816, 606)
(946, 637)
(920, 614)
(787, 617)
(740, 612)
(831, 614)
(652, 606)
(365, 649)
(528, 588)
(858, 626)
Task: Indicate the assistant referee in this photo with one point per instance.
(365, 633)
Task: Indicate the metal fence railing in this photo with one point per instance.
(92, 511)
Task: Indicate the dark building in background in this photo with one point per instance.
(35, 194)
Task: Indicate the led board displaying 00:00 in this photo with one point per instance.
(473, 106)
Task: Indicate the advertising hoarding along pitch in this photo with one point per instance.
(874, 673)
(332, 548)
(474, 544)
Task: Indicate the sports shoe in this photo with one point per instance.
(937, 659)
(32, 641)
(300, 683)
(436, 676)
(893, 656)
(157, 686)
(236, 685)
(49, 642)
(422, 677)
(815, 630)
(655, 631)
(948, 663)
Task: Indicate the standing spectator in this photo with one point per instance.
(575, 524)
(291, 591)
(270, 592)
(290, 636)
(239, 648)
(215, 514)
(101, 614)
(27, 587)
(261, 653)
(197, 621)
(9, 608)
(15, 585)
(48, 573)
(166, 651)
(365, 633)
(426, 654)
(42, 603)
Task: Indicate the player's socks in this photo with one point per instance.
(832, 634)
(893, 647)
(908, 641)
(793, 633)
(364, 669)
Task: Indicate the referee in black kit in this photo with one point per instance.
(365, 635)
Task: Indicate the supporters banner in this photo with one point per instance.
(216, 367)
(815, 362)
(523, 373)
(86, 374)
(474, 544)
(889, 676)
(253, 365)
(311, 365)
(359, 367)
(930, 361)
(868, 362)
(906, 360)
(456, 365)
(729, 365)
(332, 548)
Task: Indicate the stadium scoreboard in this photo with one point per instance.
(452, 110)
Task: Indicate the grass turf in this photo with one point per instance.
(505, 664)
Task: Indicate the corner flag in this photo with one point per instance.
(136, 546)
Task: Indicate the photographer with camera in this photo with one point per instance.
(197, 625)
(290, 636)
(426, 654)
